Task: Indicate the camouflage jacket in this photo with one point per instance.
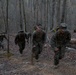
(20, 38)
(39, 37)
(60, 39)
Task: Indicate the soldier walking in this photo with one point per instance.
(59, 42)
(20, 40)
(38, 41)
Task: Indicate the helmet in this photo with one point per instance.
(40, 26)
(21, 31)
(63, 26)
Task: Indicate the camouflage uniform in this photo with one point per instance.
(20, 40)
(59, 40)
(38, 42)
(1, 40)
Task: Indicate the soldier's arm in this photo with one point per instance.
(53, 41)
(33, 38)
(68, 37)
(44, 37)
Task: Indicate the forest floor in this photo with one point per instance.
(21, 65)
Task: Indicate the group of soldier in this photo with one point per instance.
(58, 41)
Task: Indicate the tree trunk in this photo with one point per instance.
(24, 15)
(7, 29)
(63, 12)
(53, 12)
(21, 27)
(58, 13)
(3, 16)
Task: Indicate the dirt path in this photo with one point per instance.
(21, 65)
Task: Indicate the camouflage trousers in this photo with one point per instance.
(59, 54)
(36, 50)
(21, 47)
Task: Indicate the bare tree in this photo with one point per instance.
(34, 7)
(47, 1)
(63, 11)
(20, 15)
(37, 11)
(53, 12)
(7, 29)
(3, 16)
(58, 12)
(24, 15)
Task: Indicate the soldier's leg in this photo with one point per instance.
(62, 52)
(21, 47)
(56, 58)
(40, 48)
(35, 52)
(32, 55)
(37, 56)
(60, 55)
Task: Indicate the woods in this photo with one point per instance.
(28, 42)
(25, 14)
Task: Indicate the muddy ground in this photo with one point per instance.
(21, 65)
